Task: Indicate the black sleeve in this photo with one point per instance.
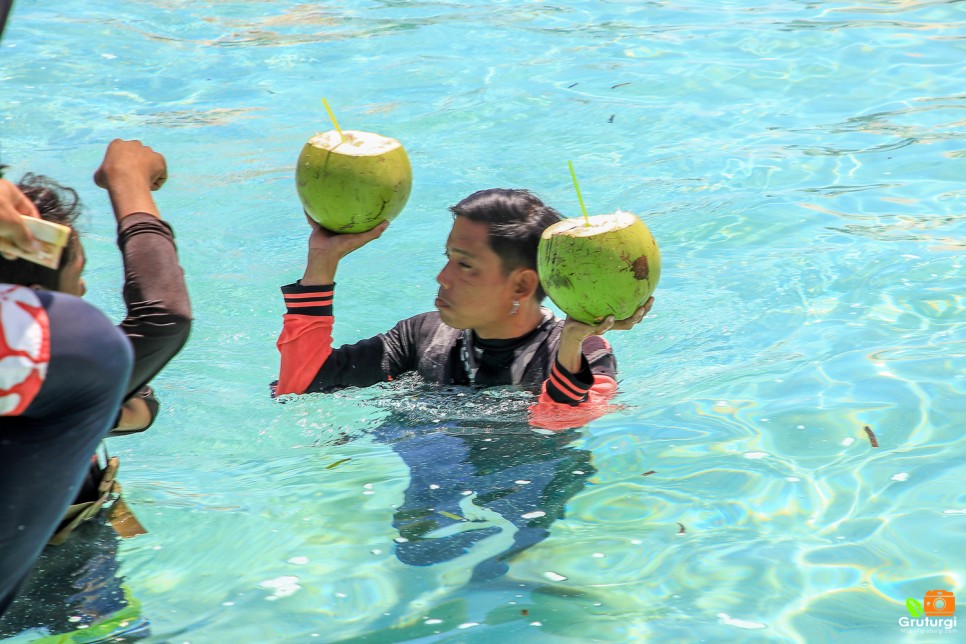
(377, 359)
(158, 311)
(146, 394)
(599, 356)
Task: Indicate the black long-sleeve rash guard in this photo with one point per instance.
(158, 317)
(437, 352)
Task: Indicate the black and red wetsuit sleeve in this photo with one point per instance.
(574, 399)
(306, 340)
(310, 364)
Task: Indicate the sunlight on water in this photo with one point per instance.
(800, 165)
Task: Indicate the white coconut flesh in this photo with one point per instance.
(599, 224)
(356, 143)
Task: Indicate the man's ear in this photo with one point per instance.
(525, 283)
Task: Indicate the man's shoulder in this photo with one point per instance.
(426, 340)
(427, 327)
(429, 319)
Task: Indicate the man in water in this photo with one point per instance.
(488, 330)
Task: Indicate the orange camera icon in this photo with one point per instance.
(939, 603)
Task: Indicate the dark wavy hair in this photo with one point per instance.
(55, 203)
(516, 219)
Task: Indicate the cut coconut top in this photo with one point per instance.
(577, 227)
(359, 144)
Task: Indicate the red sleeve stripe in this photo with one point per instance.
(554, 386)
(327, 292)
(309, 300)
(295, 305)
(565, 386)
(561, 375)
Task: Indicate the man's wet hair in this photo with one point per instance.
(55, 203)
(516, 219)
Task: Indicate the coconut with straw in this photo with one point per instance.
(351, 181)
(600, 265)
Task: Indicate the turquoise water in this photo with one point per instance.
(801, 166)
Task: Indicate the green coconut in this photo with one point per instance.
(353, 185)
(610, 267)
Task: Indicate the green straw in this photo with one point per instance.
(577, 188)
(334, 122)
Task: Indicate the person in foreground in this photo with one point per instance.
(489, 328)
(63, 367)
(156, 328)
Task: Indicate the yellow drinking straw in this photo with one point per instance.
(577, 188)
(335, 122)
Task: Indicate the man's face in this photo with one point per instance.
(474, 292)
(71, 281)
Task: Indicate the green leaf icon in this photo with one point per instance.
(914, 607)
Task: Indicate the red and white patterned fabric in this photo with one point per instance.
(24, 348)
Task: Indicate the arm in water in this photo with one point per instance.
(582, 379)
